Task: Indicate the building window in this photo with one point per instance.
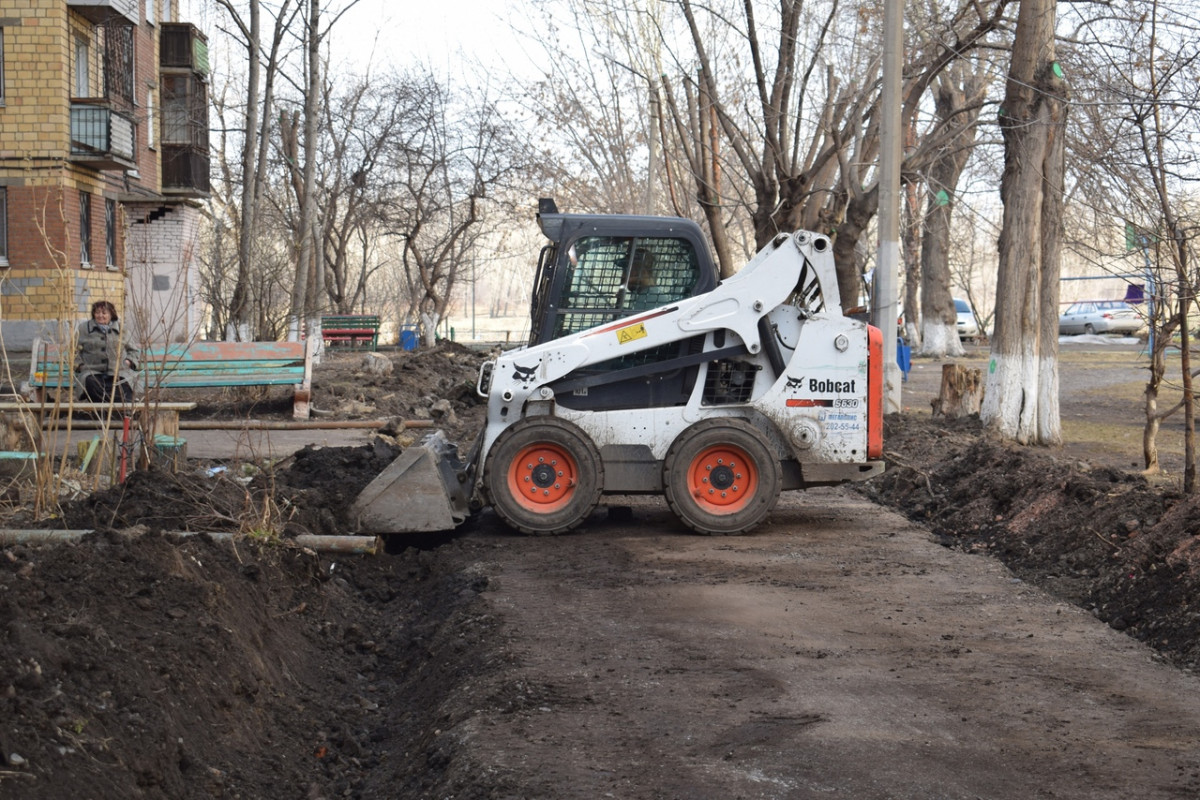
(85, 229)
(3, 226)
(110, 233)
(82, 69)
(149, 5)
(150, 118)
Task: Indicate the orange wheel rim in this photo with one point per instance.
(542, 478)
(723, 479)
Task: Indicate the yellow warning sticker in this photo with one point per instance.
(631, 334)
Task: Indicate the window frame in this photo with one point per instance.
(3, 226)
(83, 67)
(85, 229)
(150, 112)
(110, 233)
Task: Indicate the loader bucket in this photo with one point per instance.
(425, 489)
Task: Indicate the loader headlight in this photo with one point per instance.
(484, 385)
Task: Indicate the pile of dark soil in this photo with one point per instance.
(1098, 537)
(292, 498)
(151, 666)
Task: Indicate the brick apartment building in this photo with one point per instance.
(103, 159)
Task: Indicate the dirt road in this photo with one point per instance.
(840, 652)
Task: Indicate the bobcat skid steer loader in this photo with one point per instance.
(644, 374)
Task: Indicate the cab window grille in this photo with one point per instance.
(729, 383)
(610, 277)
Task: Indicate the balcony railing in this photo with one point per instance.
(101, 137)
(184, 171)
(102, 11)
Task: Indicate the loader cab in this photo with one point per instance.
(599, 268)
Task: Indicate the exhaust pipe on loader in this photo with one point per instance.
(427, 488)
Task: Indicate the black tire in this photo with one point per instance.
(543, 476)
(1089, 329)
(721, 477)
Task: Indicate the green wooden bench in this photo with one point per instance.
(196, 365)
(351, 330)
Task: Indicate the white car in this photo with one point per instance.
(1100, 316)
(968, 326)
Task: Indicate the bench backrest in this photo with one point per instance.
(198, 364)
(225, 364)
(350, 322)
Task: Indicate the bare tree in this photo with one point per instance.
(254, 144)
(1138, 170)
(820, 175)
(1021, 400)
(359, 121)
(447, 158)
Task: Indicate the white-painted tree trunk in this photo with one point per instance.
(939, 340)
(429, 323)
(1020, 401)
(237, 332)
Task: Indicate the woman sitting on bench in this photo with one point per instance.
(105, 363)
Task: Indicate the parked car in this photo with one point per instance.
(1100, 316)
(968, 326)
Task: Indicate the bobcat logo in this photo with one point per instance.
(524, 374)
(795, 383)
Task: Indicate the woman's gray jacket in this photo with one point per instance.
(105, 353)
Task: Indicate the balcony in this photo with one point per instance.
(101, 137)
(184, 171)
(101, 12)
(183, 46)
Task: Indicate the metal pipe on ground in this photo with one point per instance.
(255, 424)
(360, 545)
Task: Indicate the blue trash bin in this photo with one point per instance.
(903, 357)
(408, 338)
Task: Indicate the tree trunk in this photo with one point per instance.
(1150, 432)
(1021, 401)
(859, 211)
(429, 323)
(239, 311)
(304, 262)
(912, 264)
(956, 104)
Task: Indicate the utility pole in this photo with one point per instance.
(884, 299)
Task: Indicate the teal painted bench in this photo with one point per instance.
(351, 330)
(196, 365)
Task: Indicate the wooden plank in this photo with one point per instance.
(211, 381)
(13, 405)
(227, 351)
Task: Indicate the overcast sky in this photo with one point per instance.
(440, 33)
(443, 34)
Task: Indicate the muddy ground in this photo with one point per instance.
(1024, 626)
